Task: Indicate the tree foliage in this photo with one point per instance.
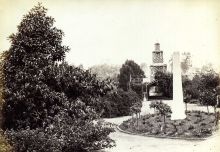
(50, 106)
(164, 81)
(136, 108)
(162, 108)
(34, 49)
(190, 87)
(209, 82)
(129, 70)
(188, 90)
(3, 57)
(203, 86)
(119, 103)
(4, 145)
(104, 71)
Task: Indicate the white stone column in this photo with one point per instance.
(177, 106)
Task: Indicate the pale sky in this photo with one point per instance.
(111, 31)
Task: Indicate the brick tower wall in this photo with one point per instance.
(157, 57)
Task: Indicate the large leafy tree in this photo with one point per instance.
(4, 145)
(34, 49)
(208, 84)
(3, 57)
(76, 83)
(129, 70)
(49, 106)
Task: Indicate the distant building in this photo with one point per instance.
(157, 65)
(186, 65)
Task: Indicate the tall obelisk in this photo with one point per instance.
(177, 106)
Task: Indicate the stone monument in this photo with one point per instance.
(177, 106)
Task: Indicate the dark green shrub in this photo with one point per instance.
(206, 131)
(165, 83)
(34, 140)
(129, 70)
(191, 127)
(158, 120)
(4, 145)
(197, 133)
(119, 103)
(203, 124)
(155, 131)
(180, 131)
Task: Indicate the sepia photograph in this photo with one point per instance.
(109, 75)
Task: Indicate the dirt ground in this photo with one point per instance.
(135, 143)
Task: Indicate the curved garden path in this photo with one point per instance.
(135, 143)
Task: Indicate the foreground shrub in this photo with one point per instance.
(4, 145)
(61, 138)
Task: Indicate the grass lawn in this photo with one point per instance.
(196, 125)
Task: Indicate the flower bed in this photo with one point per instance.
(196, 125)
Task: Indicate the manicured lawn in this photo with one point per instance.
(197, 125)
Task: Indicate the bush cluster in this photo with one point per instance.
(118, 103)
(4, 145)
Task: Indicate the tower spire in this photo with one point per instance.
(157, 46)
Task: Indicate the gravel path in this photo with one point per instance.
(135, 143)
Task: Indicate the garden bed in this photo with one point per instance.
(196, 125)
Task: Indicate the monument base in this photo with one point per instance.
(178, 111)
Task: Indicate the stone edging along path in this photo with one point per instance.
(167, 137)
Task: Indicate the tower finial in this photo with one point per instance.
(157, 46)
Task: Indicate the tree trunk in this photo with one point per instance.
(207, 109)
(164, 119)
(186, 106)
(216, 117)
(214, 110)
(137, 118)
